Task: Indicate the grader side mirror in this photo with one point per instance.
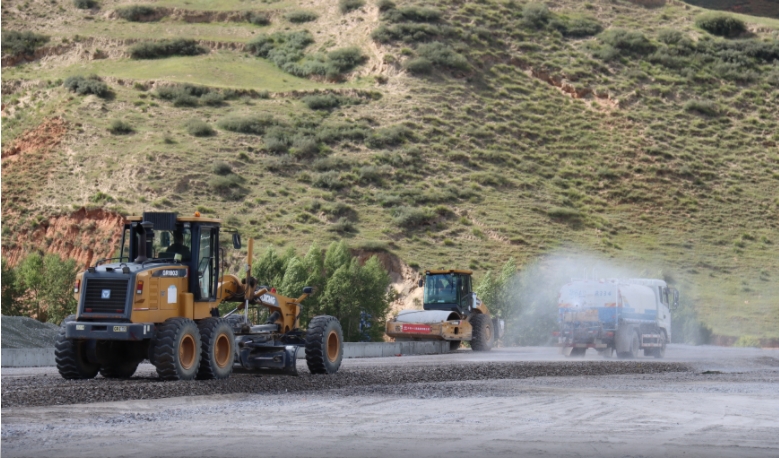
(308, 290)
(236, 241)
(421, 282)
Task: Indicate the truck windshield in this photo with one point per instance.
(442, 289)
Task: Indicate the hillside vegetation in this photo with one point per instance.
(451, 133)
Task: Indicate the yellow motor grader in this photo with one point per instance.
(158, 300)
(451, 312)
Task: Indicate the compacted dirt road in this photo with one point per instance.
(700, 401)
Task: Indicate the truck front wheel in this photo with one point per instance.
(71, 356)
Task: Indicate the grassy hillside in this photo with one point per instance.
(468, 133)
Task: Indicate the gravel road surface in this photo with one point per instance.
(706, 402)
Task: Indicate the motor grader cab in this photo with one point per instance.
(451, 311)
(159, 299)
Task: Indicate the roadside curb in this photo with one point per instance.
(42, 357)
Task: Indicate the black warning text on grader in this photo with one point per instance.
(159, 301)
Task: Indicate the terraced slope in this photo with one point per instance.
(466, 133)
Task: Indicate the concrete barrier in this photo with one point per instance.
(38, 357)
(27, 357)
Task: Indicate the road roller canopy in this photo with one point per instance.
(447, 290)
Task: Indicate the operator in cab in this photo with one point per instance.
(178, 247)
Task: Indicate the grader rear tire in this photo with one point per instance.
(71, 356)
(324, 345)
(217, 350)
(482, 337)
(177, 349)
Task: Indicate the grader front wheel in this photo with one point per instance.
(324, 345)
(177, 349)
(71, 356)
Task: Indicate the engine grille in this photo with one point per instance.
(96, 290)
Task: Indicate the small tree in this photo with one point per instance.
(11, 292)
(44, 285)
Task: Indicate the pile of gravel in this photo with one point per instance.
(52, 390)
(23, 332)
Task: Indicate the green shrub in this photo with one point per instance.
(410, 217)
(536, 15)
(419, 66)
(373, 174)
(350, 5)
(620, 41)
(135, 13)
(343, 225)
(85, 4)
(188, 95)
(228, 186)
(346, 131)
(299, 17)
(166, 48)
(385, 5)
(255, 124)
(329, 180)
(24, 43)
(704, 107)
(87, 85)
(286, 51)
(222, 168)
(410, 33)
(670, 36)
(344, 60)
(304, 145)
(199, 128)
(119, 127)
(388, 136)
(564, 213)
(328, 101)
(213, 99)
(577, 27)
(257, 18)
(441, 55)
(412, 14)
(721, 24)
(747, 341)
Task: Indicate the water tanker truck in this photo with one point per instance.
(622, 315)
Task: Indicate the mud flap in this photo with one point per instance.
(269, 359)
